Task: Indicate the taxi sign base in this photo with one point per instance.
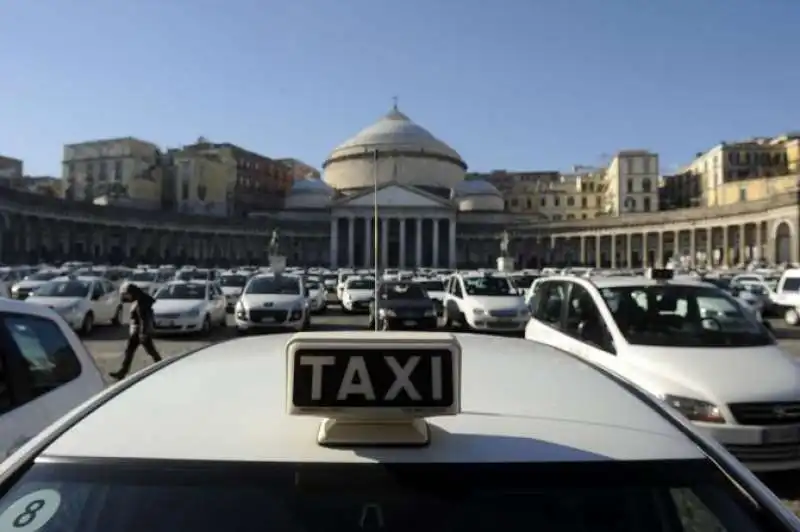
(363, 433)
(505, 264)
(277, 263)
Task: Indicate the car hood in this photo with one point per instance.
(272, 300)
(724, 374)
(359, 295)
(172, 306)
(406, 304)
(496, 302)
(232, 290)
(54, 302)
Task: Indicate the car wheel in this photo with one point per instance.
(117, 319)
(791, 317)
(87, 326)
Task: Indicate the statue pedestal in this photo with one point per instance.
(277, 263)
(505, 264)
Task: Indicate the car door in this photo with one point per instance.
(547, 309)
(42, 376)
(98, 302)
(218, 304)
(585, 332)
(107, 300)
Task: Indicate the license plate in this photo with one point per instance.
(409, 323)
(166, 323)
(782, 435)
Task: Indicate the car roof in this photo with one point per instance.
(227, 402)
(82, 278)
(20, 307)
(625, 281)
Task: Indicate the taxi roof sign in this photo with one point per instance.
(659, 274)
(373, 388)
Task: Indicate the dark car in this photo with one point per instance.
(402, 306)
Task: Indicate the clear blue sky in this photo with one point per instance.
(516, 84)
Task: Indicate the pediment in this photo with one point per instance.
(395, 196)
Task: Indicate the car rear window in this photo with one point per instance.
(139, 495)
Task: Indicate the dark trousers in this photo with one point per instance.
(134, 341)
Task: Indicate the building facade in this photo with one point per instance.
(123, 169)
(631, 183)
(424, 219)
(204, 182)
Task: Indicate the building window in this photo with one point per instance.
(647, 185)
(646, 205)
(185, 190)
(556, 201)
(117, 170)
(584, 202)
(630, 185)
(743, 194)
(543, 202)
(570, 201)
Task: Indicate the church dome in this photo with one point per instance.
(408, 154)
(477, 195)
(309, 193)
(395, 130)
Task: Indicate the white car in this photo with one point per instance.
(232, 285)
(484, 302)
(357, 292)
(23, 288)
(340, 282)
(45, 371)
(273, 301)
(83, 302)
(186, 307)
(379, 431)
(317, 295)
(690, 344)
(436, 291)
(150, 281)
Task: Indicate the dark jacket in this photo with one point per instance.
(141, 313)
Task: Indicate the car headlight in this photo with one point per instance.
(695, 409)
(524, 313)
(69, 309)
(478, 311)
(387, 313)
(192, 313)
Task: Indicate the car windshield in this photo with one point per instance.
(489, 285)
(524, 281)
(182, 291)
(431, 286)
(361, 284)
(683, 316)
(144, 277)
(43, 276)
(284, 285)
(236, 281)
(394, 291)
(312, 285)
(111, 496)
(63, 289)
(192, 275)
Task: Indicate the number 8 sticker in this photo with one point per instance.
(31, 512)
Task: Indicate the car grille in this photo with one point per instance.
(766, 413)
(261, 314)
(412, 314)
(508, 313)
(167, 316)
(781, 452)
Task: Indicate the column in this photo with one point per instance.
(598, 255)
(418, 242)
(726, 252)
(645, 257)
(369, 244)
(613, 250)
(435, 258)
(384, 246)
(759, 253)
(628, 250)
(351, 240)
(402, 242)
(709, 247)
(743, 247)
(660, 262)
(582, 259)
(453, 263)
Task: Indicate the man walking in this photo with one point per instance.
(140, 330)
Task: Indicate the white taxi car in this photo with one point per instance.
(317, 295)
(273, 301)
(357, 293)
(186, 307)
(23, 288)
(689, 343)
(82, 301)
(484, 301)
(150, 281)
(232, 285)
(436, 290)
(379, 431)
(45, 371)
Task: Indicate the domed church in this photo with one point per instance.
(425, 206)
